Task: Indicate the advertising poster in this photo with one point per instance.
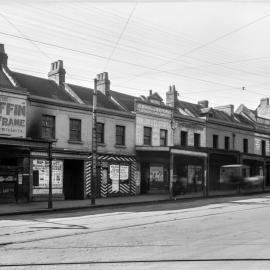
(42, 166)
(124, 172)
(156, 174)
(114, 176)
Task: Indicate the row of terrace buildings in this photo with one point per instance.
(145, 144)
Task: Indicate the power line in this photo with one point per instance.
(207, 43)
(20, 32)
(121, 34)
(116, 60)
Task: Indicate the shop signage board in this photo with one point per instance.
(42, 166)
(12, 116)
(154, 110)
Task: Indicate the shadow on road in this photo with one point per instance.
(218, 202)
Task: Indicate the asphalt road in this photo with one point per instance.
(224, 233)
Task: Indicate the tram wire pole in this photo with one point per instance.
(50, 201)
(94, 146)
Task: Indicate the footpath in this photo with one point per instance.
(62, 205)
(69, 205)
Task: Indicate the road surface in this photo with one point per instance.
(223, 233)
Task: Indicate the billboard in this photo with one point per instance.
(12, 116)
(41, 168)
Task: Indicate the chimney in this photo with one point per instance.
(57, 72)
(171, 96)
(264, 102)
(228, 109)
(150, 92)
(103, 83)
(3, 55)
(203, 103)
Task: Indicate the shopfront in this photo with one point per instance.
(258, 167)
(189, 172)
(154, 171)
(16, 168)
(115, 175)
(218, 158)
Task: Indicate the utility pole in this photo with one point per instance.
(50, 203)
(94, 146)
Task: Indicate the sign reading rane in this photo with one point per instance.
(12, 116)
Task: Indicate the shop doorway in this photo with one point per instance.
(73, 179)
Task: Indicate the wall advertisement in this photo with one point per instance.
(118, 174)
(42, 166)
(12, 116)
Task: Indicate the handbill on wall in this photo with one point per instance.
(42, 166)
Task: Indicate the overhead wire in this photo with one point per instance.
(121, 34)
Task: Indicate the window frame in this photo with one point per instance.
(215, 141)
(165, 139)
(183, 138)
(147, 138)
(245, 145)
(227, 142)
(45, 128)
(77, 132)
(198, 136)
(263, 147)
(122, 136)
(102, 133)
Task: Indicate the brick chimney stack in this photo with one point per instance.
(171, 96)
(3, 55)
(103, 83)
(57, 72)
(203, 103)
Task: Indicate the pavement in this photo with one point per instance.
(66, 205)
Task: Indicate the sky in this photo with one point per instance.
(210, 50)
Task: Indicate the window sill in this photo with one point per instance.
(101, 144)
(120, 146)
(49, 139)
(75, 142)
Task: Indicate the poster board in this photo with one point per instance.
(42, 166)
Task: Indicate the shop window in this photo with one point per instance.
(75, 129)
(184, 138)
(48, 126)
(197, 139)
(227, 143)
(263, 147)
(100, 132)
(215, 141)
(147, 136)
(245, 145)
(120, 135)
(163, 137)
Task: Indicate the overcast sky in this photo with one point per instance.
(208, 50)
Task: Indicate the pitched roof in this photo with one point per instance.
(86, 95)
(4, 81)
(127, 101)
(190, 109)
(42, 87)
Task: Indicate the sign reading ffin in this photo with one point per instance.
(12, 116)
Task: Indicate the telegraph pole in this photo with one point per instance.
(50, 203)
(94, 146)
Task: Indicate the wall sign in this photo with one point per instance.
(12, 116)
